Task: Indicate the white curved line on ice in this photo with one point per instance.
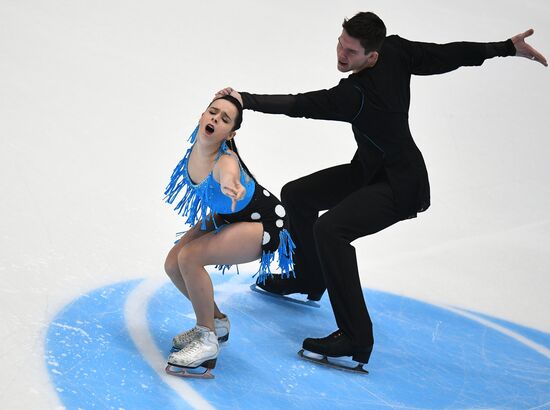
(543, 350)
(135, 313)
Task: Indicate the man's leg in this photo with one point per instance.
(364, 212)
(303, 199)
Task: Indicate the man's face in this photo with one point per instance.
(351, 54)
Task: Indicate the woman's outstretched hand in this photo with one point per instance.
(229, 91)
(525, 50)
(235, 191)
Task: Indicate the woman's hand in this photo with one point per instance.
(234, 190)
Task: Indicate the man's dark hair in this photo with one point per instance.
(368, 28)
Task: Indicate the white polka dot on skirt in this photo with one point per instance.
(280, 211)
(255, 216)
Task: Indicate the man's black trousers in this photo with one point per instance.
(324, 255)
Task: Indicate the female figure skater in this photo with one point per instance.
(235, 220)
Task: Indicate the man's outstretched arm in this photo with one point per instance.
(430, 58)
(340, 103)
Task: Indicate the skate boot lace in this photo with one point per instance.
(190, 350)
(186, 337)
(193, 347)
(187, 351)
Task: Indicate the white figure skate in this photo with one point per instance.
(222, 327)
(202, 351)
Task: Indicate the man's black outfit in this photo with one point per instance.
(386, 180)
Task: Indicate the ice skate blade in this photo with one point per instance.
(309, 303)
(325, 362)
(186, 373)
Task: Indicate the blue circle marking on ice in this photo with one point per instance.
(92, 360)
(425, 357)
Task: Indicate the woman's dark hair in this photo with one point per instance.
(368, 28)
(238, 121)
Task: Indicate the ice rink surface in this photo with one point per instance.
(97, 100)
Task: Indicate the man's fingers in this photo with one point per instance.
(540, 58)
(528, 33)
(224, 91)
(532, 54)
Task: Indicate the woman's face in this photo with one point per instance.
(216, 123)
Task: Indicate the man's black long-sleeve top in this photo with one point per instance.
(375, 101)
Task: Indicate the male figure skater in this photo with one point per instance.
(386, 181)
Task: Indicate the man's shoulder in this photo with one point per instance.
(393, 37)
(394, 47)
(393, 41)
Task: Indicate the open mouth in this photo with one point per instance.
(209, 129)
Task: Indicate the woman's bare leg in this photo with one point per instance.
(236, 243)
(171, 264)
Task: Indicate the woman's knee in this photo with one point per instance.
(188, 257)
(171, 265)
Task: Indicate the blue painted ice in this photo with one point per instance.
(425, 357)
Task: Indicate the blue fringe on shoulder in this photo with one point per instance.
(194, 201)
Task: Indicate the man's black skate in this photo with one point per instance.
(277, 285)
(337, 344)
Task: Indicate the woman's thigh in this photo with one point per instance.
(194, 233)
(239, 242)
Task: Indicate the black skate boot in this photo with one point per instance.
(337, 344)
(279, 286)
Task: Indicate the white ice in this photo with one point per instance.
(97, 100)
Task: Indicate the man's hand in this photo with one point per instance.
(525, 50)
(229, 91)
